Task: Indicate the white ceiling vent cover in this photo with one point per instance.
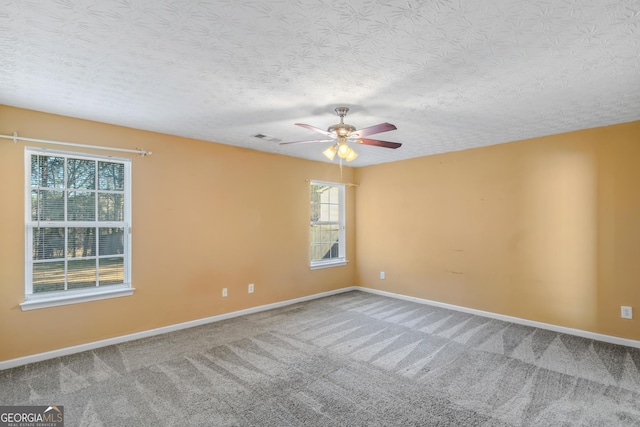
(267, 137)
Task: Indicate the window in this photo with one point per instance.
(327, 225)
(77, 216)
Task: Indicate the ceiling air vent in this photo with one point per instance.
(267, 137)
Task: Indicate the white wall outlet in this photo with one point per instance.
(382, 275)
(626, 312)
(224, 292)
(250, 288)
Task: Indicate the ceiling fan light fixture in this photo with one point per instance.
(344, 150)
(330, 153)
(352, 155)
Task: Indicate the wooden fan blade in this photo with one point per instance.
(322, 131)
(379, 128)
(378, 143)
(306, 141)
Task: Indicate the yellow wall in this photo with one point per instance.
(205, 216)
(546, 229)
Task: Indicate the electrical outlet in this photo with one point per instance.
(382, 275)
(626, 312)
(250, 288)
(224, 292)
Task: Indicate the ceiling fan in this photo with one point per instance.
(341, 133)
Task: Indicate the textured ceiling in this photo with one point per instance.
(449, 74)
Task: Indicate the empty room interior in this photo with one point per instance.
(322, 212)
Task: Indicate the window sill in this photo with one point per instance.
(35, 302)
(316, 265)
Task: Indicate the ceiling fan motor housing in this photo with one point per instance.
(341, 129)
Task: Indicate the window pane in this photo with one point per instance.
(315, 193)
(111, 271)
(325, 203)
(48, 243)
(334, 233)
(315, 211)
(320, 235)
(332, 236)
(81, 273)
(315, 234)
(324, 212)
(334, 251)
(47, 205)
(334, 213)
(325, 241)
(316, 238)
(111, 241)
(81, 174)
(110, 207)
(81, 206)
(81, 242)
(110, 176)
(329, 194)
(316, 252)
(324, 234)
(47, 171)
(326, 251)
(48, 276)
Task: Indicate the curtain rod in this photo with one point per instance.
(15, 139)
(347, 184)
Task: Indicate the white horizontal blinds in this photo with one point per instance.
(111, 213)
(77, 227)
(325, 221)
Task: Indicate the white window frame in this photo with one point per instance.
(342, 247)
(56, 298)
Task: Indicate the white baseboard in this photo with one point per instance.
(562, 329)
(12, 363)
